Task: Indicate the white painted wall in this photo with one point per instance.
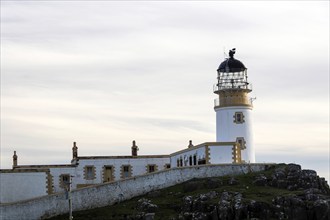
(221, 154)
(138, 167)
(56, 172)
(21, 186)
(228, 131)
(109, 193)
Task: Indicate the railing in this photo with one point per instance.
(222, 87)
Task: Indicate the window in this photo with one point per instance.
(167, 166)
(151, 168)
(64, 180)
(126, 171)
(89, 172)
(190, 160)
(181, 162)
(241, 142)
(239, 118)
(195, 159)
(178, 162)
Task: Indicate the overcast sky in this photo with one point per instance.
(104, 73)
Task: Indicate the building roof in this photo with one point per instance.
(122, 157)
(44, 166)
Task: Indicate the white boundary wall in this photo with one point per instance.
(16, 186)
(109, 193)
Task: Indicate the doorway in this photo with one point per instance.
(108, 174)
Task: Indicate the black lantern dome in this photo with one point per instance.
(231, 65)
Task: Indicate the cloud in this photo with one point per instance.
(104, 73)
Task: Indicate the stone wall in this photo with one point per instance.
(109, 193)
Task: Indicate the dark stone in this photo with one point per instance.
(225, 209)
(212, 194)
(187, 204)
(292, 186)
(145, 205)
(279, 174)
(200, 216)
(186, 216)
(323, 186)
(309, 174)
(258, 210)
(239, 208)
(322, 209)
(138, 216)
(312, 194)
(291, 167)
(199, 205)
(231, 206)
(291, 207)
(149, 216)
(214, 214)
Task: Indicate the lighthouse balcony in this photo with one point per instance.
(223, 87)
(228, 101)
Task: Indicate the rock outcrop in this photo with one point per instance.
(232, 205)
(311, 202)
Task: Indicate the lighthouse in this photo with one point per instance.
(233, 106)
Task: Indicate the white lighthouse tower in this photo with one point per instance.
(233, 107)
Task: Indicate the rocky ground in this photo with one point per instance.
(281, 192)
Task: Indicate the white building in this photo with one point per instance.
(234, 144)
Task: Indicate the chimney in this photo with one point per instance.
(190, 144)
(15, 160)
(74, 151)
(134, 149)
